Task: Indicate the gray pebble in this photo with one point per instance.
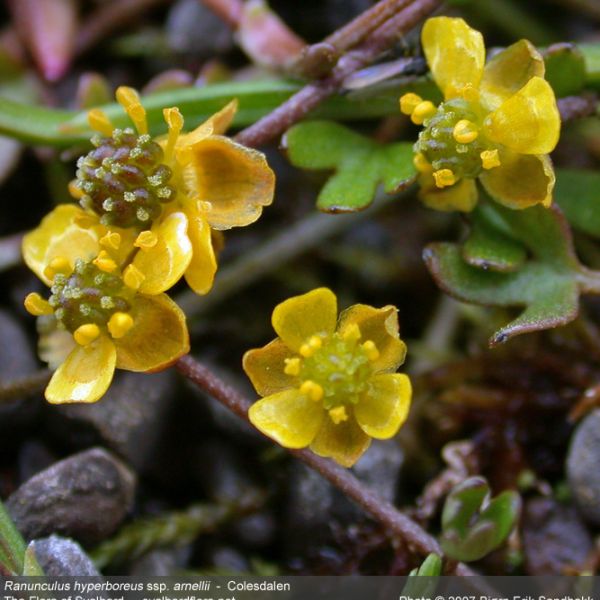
(582, 467)
(61, 557)
(85, 496)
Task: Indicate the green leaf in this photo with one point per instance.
(489, 246)
(360, 163)
(565, 69)
(422, 582)
(31, 567)
(12, 545)
(470, 531)
(577, 192)
(547, 285)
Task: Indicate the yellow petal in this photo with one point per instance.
(383, 408)
(265, 368)
(158, 337)
(379, 325)
(288, 417)
(508, 71)
(521, 180)
(215, 125)
(345, 442)
(298, 318)
(528, 122)
(58, 235)
(235, 180)
(455, 54)
(200, 273)
(164, 263)
(461, 196)
(85, 375)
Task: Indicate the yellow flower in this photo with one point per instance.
(497, 123)
(100, 319)
(330, 386)
(131, 181)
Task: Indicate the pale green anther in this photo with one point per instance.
(100, 173)
(116, 169)
(107, 302)
(108, 204)
(155, 180)
(129, 197)
(142, 214)
(164, 192)
(59, 313)
(135, 152)
(144, 139)
(85, 309)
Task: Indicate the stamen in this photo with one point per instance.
(58, 265)
(104, 262)
(408, 103)
(352, 333)
(313, 344)
(100, 122)
(146, 240)
(85, 221)
(119, 324)
(311, 389)
(469, 92)
(75, 191)
(338, 414)
(423, 111)
(444, 178)
(292, 366)
(421, 163)
(490, 159)
(35, 305)
(465, 132)
(174, 120)
(128, 98)
(371, 350)
(111, 240)
(86, 334)
(133, 277)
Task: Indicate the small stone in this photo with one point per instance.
(164, 562)
(85, 496)
(554, 538)
(582, 467)
(61, 557)
(129, 419)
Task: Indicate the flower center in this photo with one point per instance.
(334, 370)
(124, 179)
(452, 139)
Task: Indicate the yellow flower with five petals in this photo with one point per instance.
(132, 181)
(497, 123)
(330, 384)
(96, 309)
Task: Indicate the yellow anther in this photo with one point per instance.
(423, 111)
(129, 99)
(100, 122)
(421, 163)
(119, 324)
(308, 349)
(292, 366)
(351, 333)
(85, 221)
(338, 414)
(112, 240)
(465, 132)
(104, 262)
(35, 305)
(311, 389)
(408, 103)
(133, 277)
(58, 264)
(371, 350)
(444, 178)
(174, 120)
(146, 240)
(86, 334)
(469, 92)
(75, 191)
(490, 159)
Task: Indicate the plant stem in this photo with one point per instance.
(313, 94)
(382, 511)
(25, 386)
(294, 241)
